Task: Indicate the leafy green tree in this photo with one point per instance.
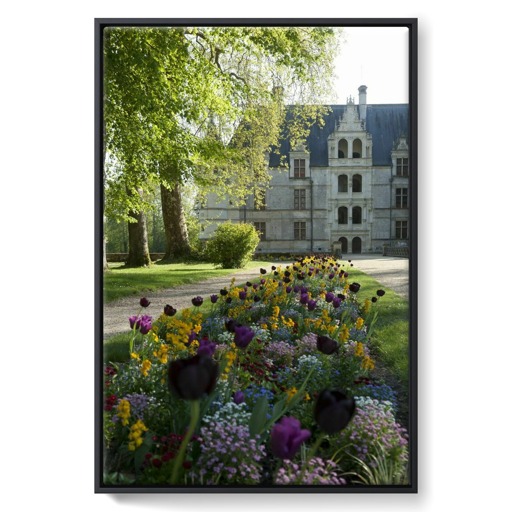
(203, 105)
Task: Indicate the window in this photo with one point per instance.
(343, 215)
(357, 183)
(342, 148)
(401, 198)
(356, 215)
(261, 227)
(401, 230)
(299, 199)
(260, 200)
(357, 148)
(402, 167)
(343, 183)
(299, 168)
(299, 230)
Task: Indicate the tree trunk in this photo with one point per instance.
(138, 250)
(105, 263)
(176, 234)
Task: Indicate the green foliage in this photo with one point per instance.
(232, 245)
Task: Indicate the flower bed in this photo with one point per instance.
(272, 387)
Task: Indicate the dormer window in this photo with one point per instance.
(342, 148)
(357, 148)
(299, 168)
(402, 167)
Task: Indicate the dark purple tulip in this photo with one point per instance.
(206, 347)
(286, 438)
(223, 291)
(193, 378)
(169, 310)
(336, 302)
(310, 273)
(311, 305)
(288, 289)
(301, 276)
(374, 299)
(333, 411)
(303, 289)
(296, 288)
(351, 264)
(248, 283)
(197, 301)
(354, 287)
(144, 324)
(229, 300)
(243, 336)
(349, 261)
(341, 296)
(287, 280)
(231, 324)
(380, 293)
(144, 302)
(331, 276)
(345, 274)
(327, 345)
(276, 273)
(273, 267)
(214, 298)
(304, 298)
(242, 295)
(329, 296)
(132, 320)
(238, 397)
(287, 273)
(256, 298)
(262, 271)
(263, 281)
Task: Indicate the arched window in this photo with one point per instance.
(344, 244)
(342, 148)
(356, 245)
(357, 183)
(357, 149)
(342, 183)
(342, 215)
(356, 215)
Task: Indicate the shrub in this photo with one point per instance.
(232, 245)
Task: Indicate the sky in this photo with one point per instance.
(376, 57)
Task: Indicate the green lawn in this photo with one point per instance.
(122, 282)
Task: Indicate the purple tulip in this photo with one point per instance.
(132, 320)
(329, 297)
(380, 293)
(288, 289)
(333, 411)
(144, 324)
(223, 292)
(144, 302)
(304, 298)
(238, 397)
(214, 298)
(243, 336)
(374, 299)
(206, 347)
(286, 438)
(327, 345)
(354, 287)
(197, 301)
(262, 271)
(242, 295)
(311, 305)
(169, 310)
(193, 378)
(336, 302)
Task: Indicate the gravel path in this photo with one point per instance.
(390, 272)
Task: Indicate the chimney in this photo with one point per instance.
(362, 102)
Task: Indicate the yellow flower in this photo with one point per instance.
(367, 306)
(359, 323)
(307, 397)
(161, 353)
(134, 355)
(135, 435)
(359, 351)
(344, 333)
(146, 366)
(123, 411)
(368, 363)
(291, 393)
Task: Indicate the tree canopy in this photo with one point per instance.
(205, 104)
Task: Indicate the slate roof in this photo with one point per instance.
(386, 123)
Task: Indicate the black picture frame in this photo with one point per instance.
(412, 25)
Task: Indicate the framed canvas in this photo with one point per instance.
(256, 255)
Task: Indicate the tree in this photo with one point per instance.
(204, 104)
